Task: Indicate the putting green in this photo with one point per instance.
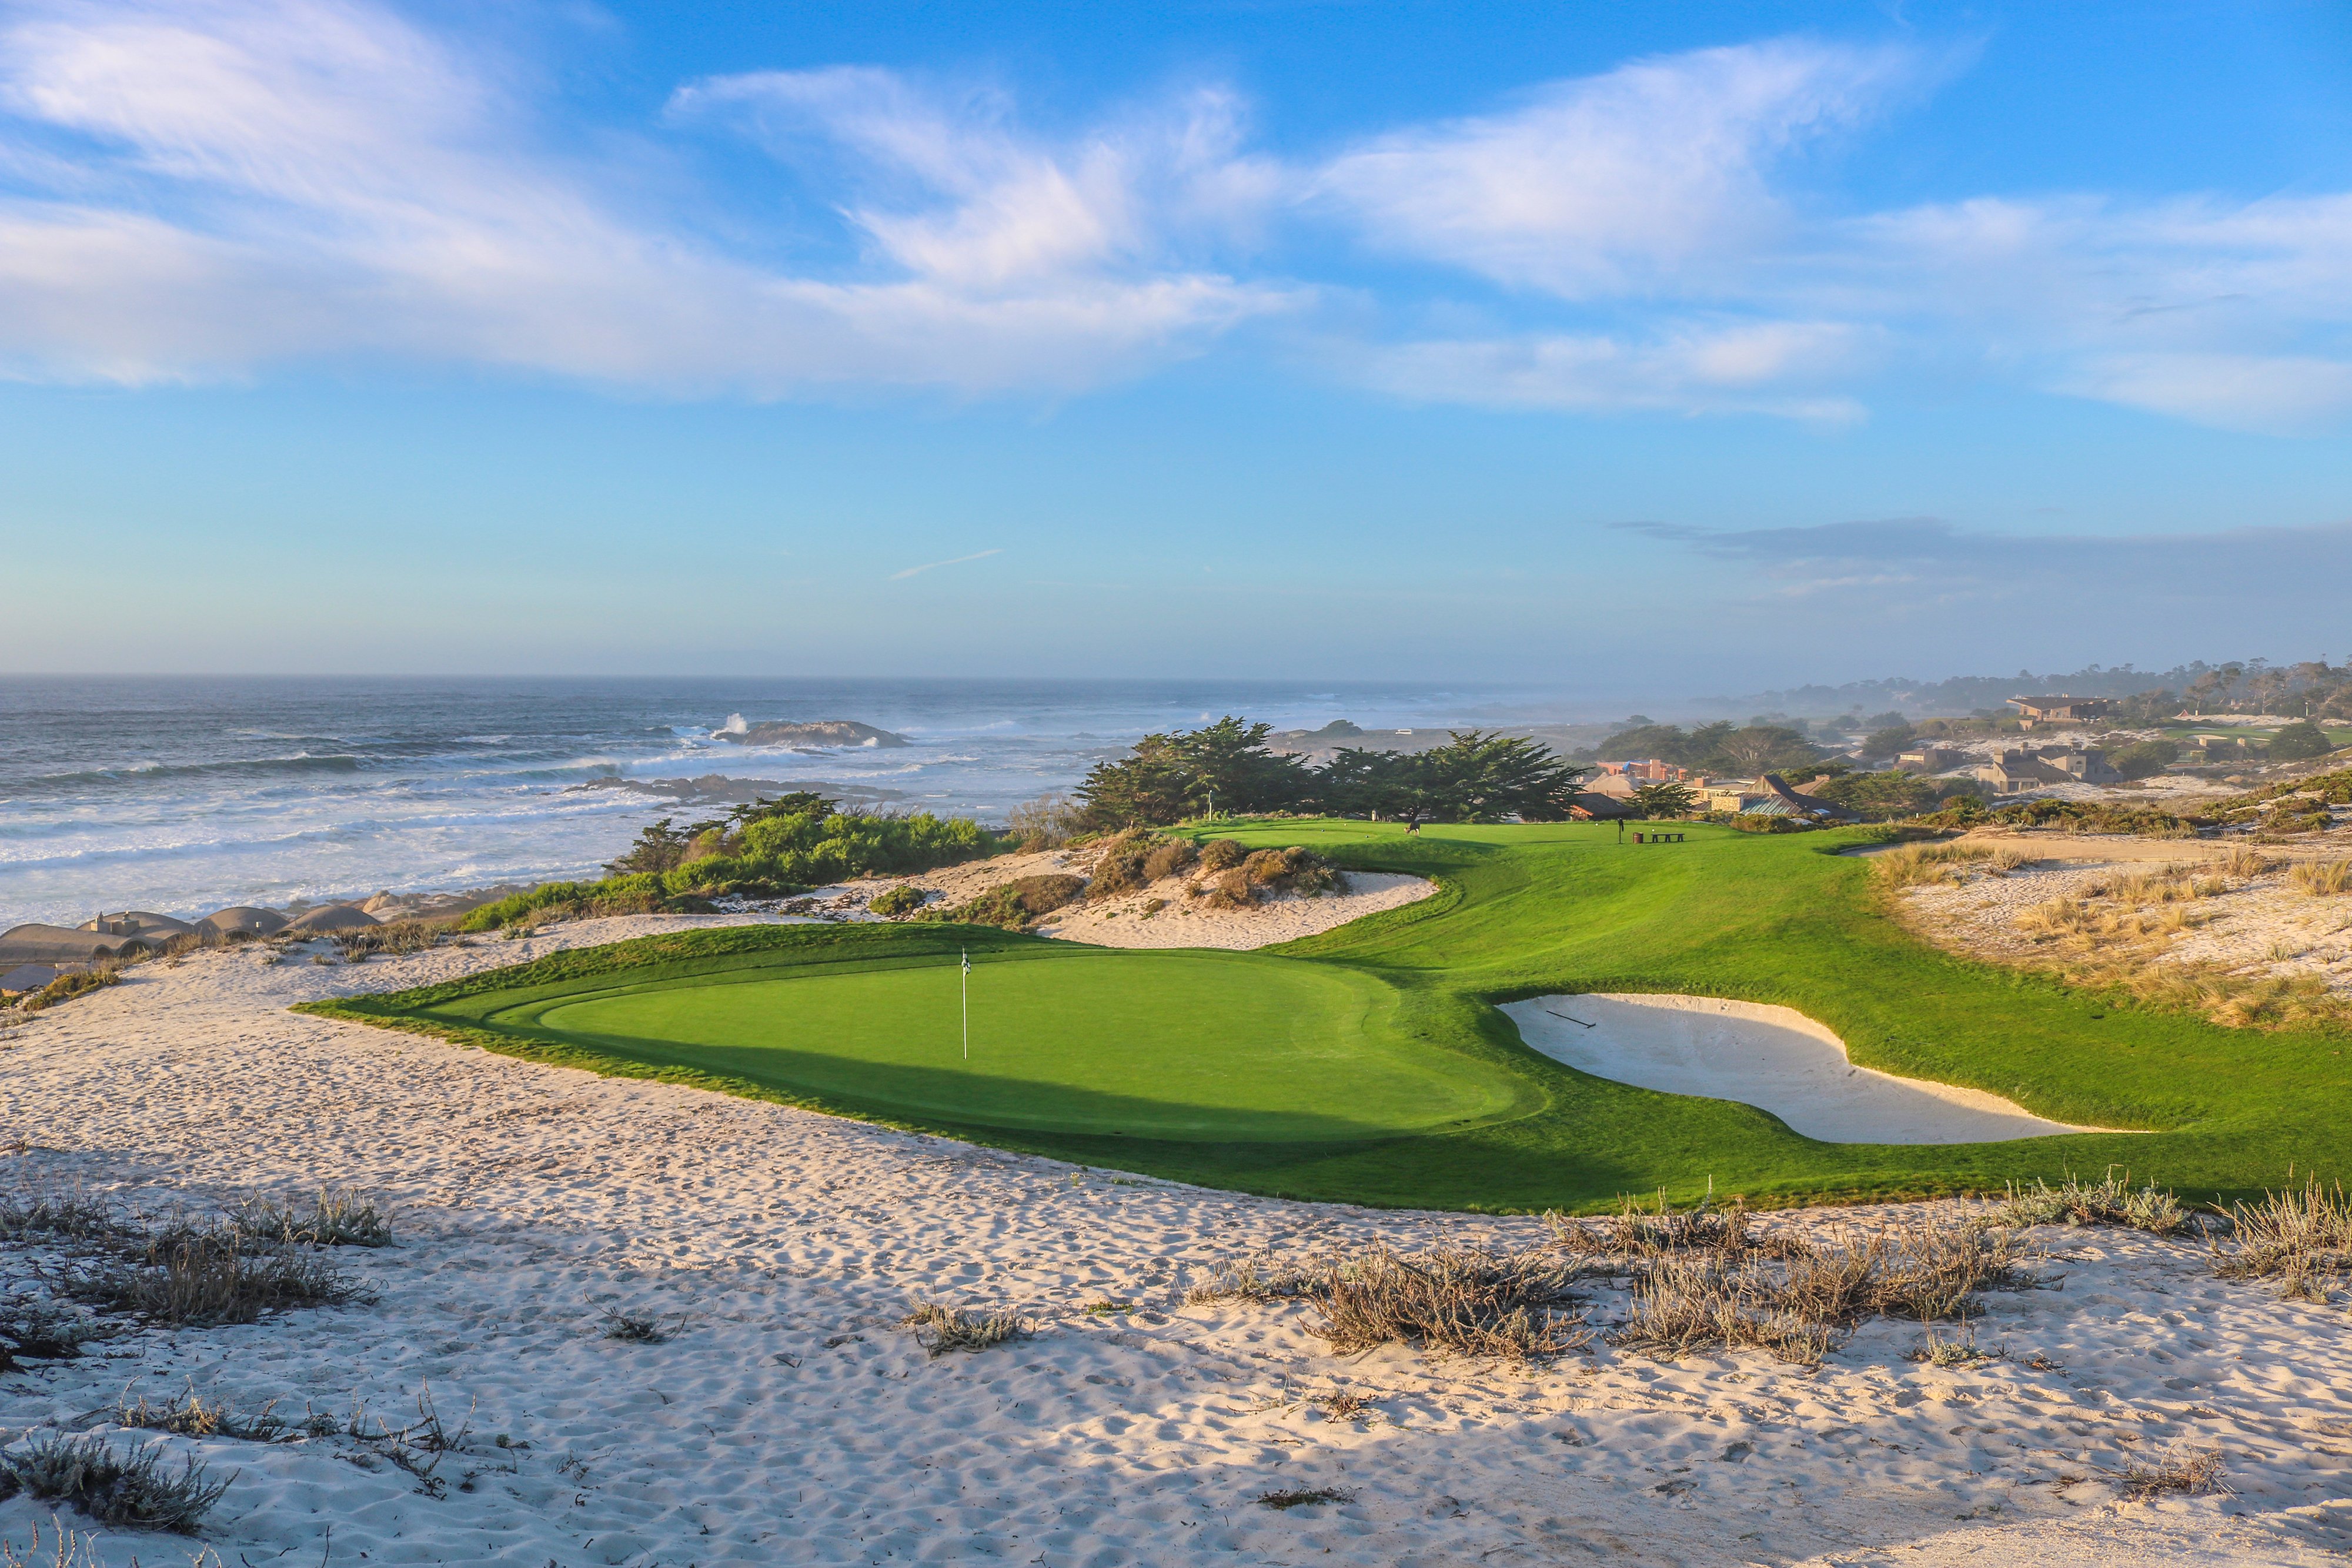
(1172, 1046)
(1369, 1064)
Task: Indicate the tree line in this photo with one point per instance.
(1475, 777)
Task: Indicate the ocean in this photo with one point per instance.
(182, 795)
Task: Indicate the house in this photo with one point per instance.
(1930, 760)
(1653, 771)
(2029, 767)
(1729, 794)
(1779, 800)
(2032, 711)
(1615, 785)
(1592, 806)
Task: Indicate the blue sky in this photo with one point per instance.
(1633, 349)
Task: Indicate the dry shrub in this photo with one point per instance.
(1229, 890)
(2110, 1200)
(632, 1330)
(1699, 1300)
(1170, 859)
(1258, 1276)
(1294, 869)
(2196, 1471)
(2302, 1239)
(334, 1219)
(1222, 855)
(1637, 1231)
(42, 1330)
(205, 1278)
(1282, 1502)
(189, 1416)
(1047, 822)
(1466, 1302)
(1119, 868)
(2322, 878)
(74, 1217)
(126, 1493)
(1933, 1269)
(939, 1329)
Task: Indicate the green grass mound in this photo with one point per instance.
(1369, 1064)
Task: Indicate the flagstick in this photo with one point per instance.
(967, 1007)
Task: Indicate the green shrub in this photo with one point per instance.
(904, 899)
(1760, 822)
(2147, 759)
(2300, 742)
(2098, 817)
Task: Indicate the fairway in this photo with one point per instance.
(1179, 1046)
(1372, 1064)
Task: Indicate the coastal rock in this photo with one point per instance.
(821, 732)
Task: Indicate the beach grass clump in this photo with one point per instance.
(204, 1278)
(1640, 1230)
(2323, 879)
(63, 1218)
(2194, 1472)
(632, 1328)
(1691, 1303)
(2302, 1237)
(1949, 1351)
(134, 1492)
(2110, 1200)
(942, 1329)
(32, 1330)
(330, 1217)
(1301, 1497)
(192, 1415)
(1256, 1277)
(392, 937)
(1453, 1300)
(67, 987)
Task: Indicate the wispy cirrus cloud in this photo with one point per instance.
(205, 189)
(935, 565)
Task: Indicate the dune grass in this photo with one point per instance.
(1367, 1065)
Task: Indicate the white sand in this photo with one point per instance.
(531, 1197)
(1776, 1059)
(1160, 915)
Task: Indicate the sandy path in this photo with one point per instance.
(1773, 1058)
(531, 1197)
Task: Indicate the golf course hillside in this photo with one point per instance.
(1372, 1063)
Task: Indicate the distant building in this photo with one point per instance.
(1729, 794)
(1930, 760)
(1653, 771)
(1781, 800)
(2029, 767)
(2032, 711)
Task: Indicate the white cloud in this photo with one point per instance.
(309, 177)
(1753, 368)
(934, 565)
(1655, 171)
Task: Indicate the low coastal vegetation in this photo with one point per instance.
(772, 848)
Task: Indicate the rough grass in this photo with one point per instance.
(190, 1416)
(2301, 1238)
(941, 1330)
(2110, 1200)
(2322, 879)
(123, 1491)
(394, 938)
(205, 1279)
(329, 1218)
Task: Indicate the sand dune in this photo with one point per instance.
(789, 1421)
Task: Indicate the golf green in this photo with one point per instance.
(1370, 1065)
(1161, 1045)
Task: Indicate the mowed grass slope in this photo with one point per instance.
(1367, 1065)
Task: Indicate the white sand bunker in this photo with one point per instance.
(1775, 1059)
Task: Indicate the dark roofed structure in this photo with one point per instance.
(2032, 711)
(1789, 803)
